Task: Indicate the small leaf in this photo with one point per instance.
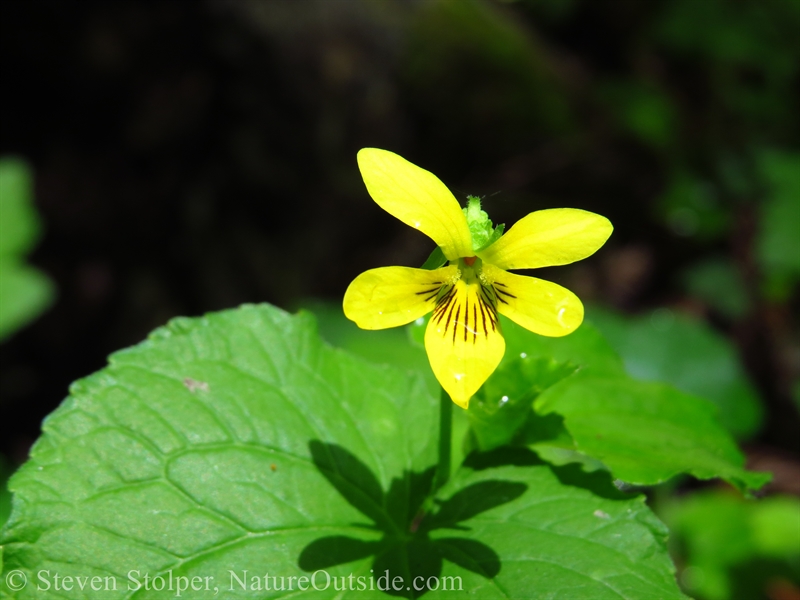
(24, 291)
(646, 433)
(503, 405)
(20, 223)
(24, 294)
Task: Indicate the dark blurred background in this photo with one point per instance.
(192, 156)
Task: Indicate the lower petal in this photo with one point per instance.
(537, 305)
(394, 296)
(463, 341)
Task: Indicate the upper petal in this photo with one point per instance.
(545, 238)
(394, 296)
(540, 306)
(417, 198)
(463, 341)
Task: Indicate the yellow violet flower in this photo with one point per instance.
(463, 338)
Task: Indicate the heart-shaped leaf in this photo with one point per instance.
(237, 454)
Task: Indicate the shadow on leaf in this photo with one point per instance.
(406, 515)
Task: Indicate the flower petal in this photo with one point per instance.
(394, 296)
(464, 341)
(417, 198)
(546, 238)
(538, 305)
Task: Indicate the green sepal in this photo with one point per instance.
(496, 235)
(480, 226)
(435, 260)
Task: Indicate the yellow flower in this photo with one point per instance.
(463, 338)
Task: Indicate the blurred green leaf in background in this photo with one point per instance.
(734, 548)
(719, 283)
(778, 242)
(24, 291)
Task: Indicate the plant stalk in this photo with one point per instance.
(445, 439)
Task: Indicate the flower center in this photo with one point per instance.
(466, 307)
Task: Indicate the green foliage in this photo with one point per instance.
(385, 346)
(241, 442)
(646, 433)
(778, 245)
(644, 111)
(719, 283)
(587, 409)
(664, 346)
(754, 36)
(734, 547)
(20, 224)
(5, 496)
(691, 207)
(24, 291)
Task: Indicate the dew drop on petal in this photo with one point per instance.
(416, 224)
(561, 312)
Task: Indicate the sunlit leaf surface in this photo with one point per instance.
(239, 445)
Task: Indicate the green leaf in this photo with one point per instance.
(646, 433)
(548, 437)
(778, 243)
(503, 404)
(569, 535)
(718, 283)
(385, 346)
(722, 536)
(18, 219)
(585, 348)
(24, 291)
(691, 207)
(240, 442)
(644, 110)
(501, 412)
(5, 496)
(666, 346)
(24, 294)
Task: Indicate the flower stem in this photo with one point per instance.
(445, 437)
